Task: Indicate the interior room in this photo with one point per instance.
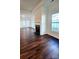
(39, 29)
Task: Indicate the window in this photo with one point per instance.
(25, 22)
(55, 22)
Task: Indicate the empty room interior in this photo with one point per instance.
(39, 29)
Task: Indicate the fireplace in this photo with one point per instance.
(37, 27)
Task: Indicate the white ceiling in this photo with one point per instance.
(28, 5)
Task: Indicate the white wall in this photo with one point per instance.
(52, 8)
(43, 14)
(39, 14)
(47, 9)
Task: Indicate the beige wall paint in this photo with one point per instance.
(37, 19)
(37, 14)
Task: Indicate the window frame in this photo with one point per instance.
(54, 22)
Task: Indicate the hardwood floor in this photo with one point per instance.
(37, 47)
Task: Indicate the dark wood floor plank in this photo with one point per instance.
(38, 47)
